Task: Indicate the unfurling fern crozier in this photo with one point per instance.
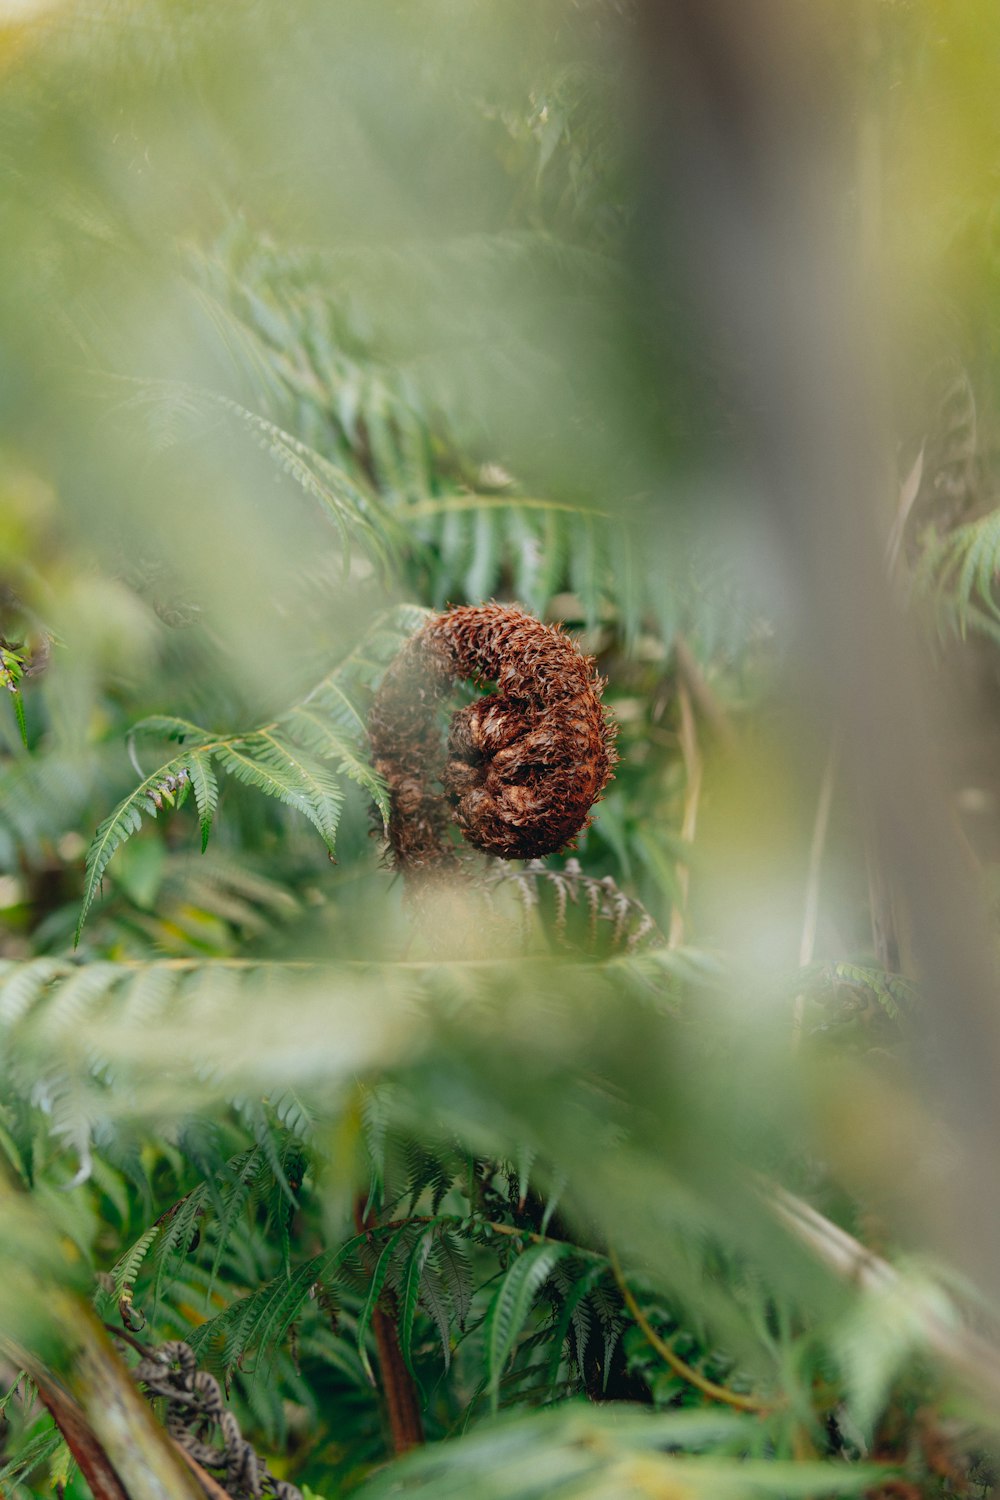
(522, 767)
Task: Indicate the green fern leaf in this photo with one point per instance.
(32, 1453)
(265, 761)
(242, 1171)
(166, 784)
(413, 1277)
(456, 1273)
(357, 515)
(178, 1234)
(435, 1299)
(309, 726)
(169, 727)
(19, 716)
(575, 1314)
(126, 1269)
(206, 790)
(261, 1320)
(379, 1275)
(511, 1305)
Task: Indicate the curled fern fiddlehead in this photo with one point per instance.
(523, 765)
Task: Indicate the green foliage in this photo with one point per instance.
(589, 1452)
(958, 572)
(284, 760)
(535, 1123)
(12, 665)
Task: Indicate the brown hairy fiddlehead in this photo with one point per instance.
(522, 766)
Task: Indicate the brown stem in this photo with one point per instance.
(95, 1466)
(398, 1386)
(213, 1489)
(400, 1389)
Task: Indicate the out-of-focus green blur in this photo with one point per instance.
(676, 323)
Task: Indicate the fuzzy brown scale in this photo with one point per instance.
(523, 765)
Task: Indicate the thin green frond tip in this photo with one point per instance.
(19, 716)
(11, 672)
(206, 791)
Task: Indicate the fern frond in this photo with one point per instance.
(511, 1305)
(127, 1267)
(206, 791)
(238, 1182)
(379, 1275)
(621, 919)
(297, 759)
(574, 1313)
(425, 1169)
(32, 1453)
(270, 764)
(959, 570)
(261, 1320)
(311, 726)
(166, 784)
(896, 994)
(456, 1273)
(413, 1287)
(604, 1453)
(358, 516)
(434, 1295)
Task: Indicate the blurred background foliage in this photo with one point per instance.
(624, 1173)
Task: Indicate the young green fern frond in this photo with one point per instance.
(206, 791)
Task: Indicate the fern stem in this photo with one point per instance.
(398, 1385)
(678, 1365)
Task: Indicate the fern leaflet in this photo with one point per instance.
(511, 1304)
(168, 783)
